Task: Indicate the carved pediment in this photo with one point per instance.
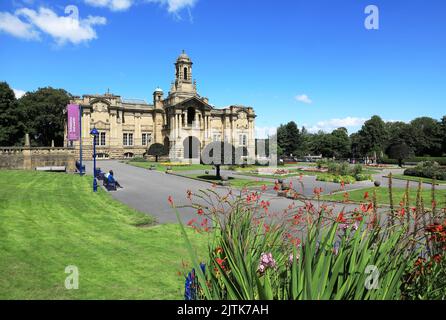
(100, 125)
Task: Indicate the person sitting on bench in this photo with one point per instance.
(111, 179)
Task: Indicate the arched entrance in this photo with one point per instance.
(191, 147)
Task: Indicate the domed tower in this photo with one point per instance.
(183, 75)
(158, 98)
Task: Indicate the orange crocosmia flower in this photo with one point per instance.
(170, 200)
(341, 218)
(402, 212)
(191, 222)
(366, 195)
(200, 212)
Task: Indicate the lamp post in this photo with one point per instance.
(95, 133)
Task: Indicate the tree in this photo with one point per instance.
(288, 138)
(399, 151)
(340, 143)
(322, 143)
(443, 134)
(304, 143)
(372, 137)
(157, 150)
(220, 153)
(44, 115)
(11, 128)
(426, 136)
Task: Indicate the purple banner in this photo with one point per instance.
(73, 122)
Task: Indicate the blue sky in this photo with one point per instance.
(313, 62)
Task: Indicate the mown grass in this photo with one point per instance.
(424, 180)
(382, 195)
(49, 221)
(233, 182)
(162, 168)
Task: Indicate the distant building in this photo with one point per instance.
(183, 121)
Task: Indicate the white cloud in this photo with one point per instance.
(62, 28)
(332, 124)
(173, 6)
(18, 93)
(114, 5)
(11, 24)
(304, 98)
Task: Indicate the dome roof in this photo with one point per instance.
(183, 57)
(158, 89)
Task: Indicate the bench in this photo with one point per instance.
(78, 167)
(110, 186)
(52, 169)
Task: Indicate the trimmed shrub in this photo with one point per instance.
(427, 169)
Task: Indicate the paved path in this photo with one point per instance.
(148, 191)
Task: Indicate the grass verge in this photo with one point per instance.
(382, 195)
(49, 221)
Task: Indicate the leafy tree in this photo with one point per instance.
(221, 153)
(426, 136)
(399, 151)
(288, 138)
(11, 128)
(304, 143)
(372, 137)
(443, 134)
(157, 150)
(44, 115)
(322, 143)
(340, 143)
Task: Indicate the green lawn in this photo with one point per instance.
(398, 194)
(234, 182)
(417, 179)
(160, 167)
(49, 221)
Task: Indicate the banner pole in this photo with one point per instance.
(80, 140)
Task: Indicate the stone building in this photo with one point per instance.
(183, 121)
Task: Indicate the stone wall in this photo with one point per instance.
(28, 158)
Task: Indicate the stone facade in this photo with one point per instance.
(183, 121)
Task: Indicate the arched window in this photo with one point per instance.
(185, 73)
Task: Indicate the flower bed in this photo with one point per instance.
(308, 252)
(343, 179)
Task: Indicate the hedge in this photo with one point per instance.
(440, 160)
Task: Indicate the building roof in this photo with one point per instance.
(183, 57)
(134, 101)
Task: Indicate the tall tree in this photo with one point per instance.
(44, 110)
(11, 128)
(288, 138)
(341, 143)
(372, 137)
(443, 134)
(322, 144)
(426, 136)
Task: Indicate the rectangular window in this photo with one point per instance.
(102, 140)
(146, 139)
(130, 139)
(243, 141)
(217, 137)
(125, 139)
